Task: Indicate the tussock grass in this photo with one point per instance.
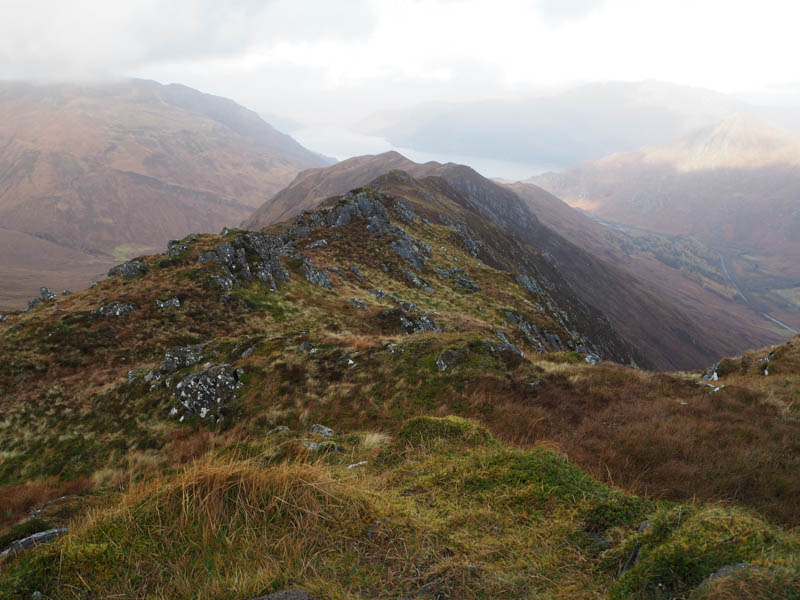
(470, 518)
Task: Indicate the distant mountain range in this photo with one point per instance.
(90, 175)
(689, 327)
(560, 129)
(734, 187)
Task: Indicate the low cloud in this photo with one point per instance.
(96, 39)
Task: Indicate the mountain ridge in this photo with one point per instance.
(683, 340)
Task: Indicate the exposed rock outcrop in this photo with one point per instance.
(398, 319)
(316, 276)
(180, 357)
(206, 392)
(250, 255)
(114, 309)
(176, 248)
(358, 303)
(129, 269)
(322, 430)
(42, 537)
(170, 303)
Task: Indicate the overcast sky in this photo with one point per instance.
(325, 61)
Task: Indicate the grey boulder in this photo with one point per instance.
(322, 430)
(128, 269)
(315, 276)
(171, 303)
(179, 357)
(114, 309)
(43, 537)
(206, 392)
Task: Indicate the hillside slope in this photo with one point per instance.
(677, 268)
(259, 411)
(109, 171)
(734, 187)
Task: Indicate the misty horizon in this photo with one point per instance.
(320, 72)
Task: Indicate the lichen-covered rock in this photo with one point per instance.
(114, 309)
(170, 303)
(206, 392)
(358, 303)
(315, 276)
(234, 260)
(531, 332)
(133, 374)
(475, 246)
(177, 247)
(235, 257)
(129, 269)
(417, 282)
(180, 357)
(555, 341)
(397, 318)
(505, 351)
(593, 359)
(322, 430)
(223, 282)
(467, 284)
(208, 257)
(503, 338)
(357, 273)
(42, 537)
(406, 306)
(45, 295)
(413, 251)
(528, 283)
(405, 211)
(447, 359)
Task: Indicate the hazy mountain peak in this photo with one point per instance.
(740, 141)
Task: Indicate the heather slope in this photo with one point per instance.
(678, 268)
(388, 316)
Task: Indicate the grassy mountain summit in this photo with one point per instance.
(94, 174)
(389, 396)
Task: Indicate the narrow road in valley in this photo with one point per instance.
(738, 289)
(730, 279)
(784, 325)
